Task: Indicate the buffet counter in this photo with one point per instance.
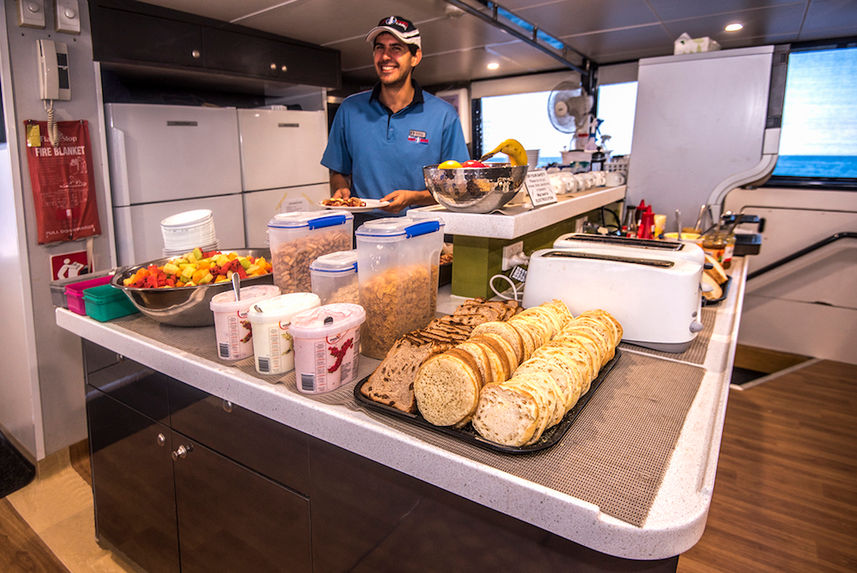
(518, 217)
(673, 519)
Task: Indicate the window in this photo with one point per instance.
(523, 117)
(617, 104)
(818, 141)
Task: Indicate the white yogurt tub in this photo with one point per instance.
(327, 346)
(231, 326)
(272, 343)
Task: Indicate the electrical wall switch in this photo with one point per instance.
(67, 18)
(31, 13)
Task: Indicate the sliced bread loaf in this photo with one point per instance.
(392, 382)
(506, 415)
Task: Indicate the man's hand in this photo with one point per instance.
(340, 185)
(342, 193)
(401, 199)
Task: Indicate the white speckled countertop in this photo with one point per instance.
(519, 217)
(674, 524)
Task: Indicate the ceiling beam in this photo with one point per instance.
(528, 33)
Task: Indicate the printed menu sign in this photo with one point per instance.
(539, 188)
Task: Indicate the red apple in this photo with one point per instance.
(473, 163)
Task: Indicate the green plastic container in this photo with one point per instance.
(106, 302)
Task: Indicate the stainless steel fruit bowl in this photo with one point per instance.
(474, 189)
(183, 306)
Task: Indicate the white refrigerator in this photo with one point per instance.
(280, 165)
(168, 159)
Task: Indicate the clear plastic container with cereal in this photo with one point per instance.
(297, 239)
(334, 277)
(397, 270)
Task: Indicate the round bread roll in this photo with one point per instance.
(447, 387)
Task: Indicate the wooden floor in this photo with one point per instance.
(785, 496)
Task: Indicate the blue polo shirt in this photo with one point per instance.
(385, 151)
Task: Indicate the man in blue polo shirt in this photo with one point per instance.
(381, 139)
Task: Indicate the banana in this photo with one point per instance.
(511, 147)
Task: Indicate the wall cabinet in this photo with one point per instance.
(129, 34)
(171, 503)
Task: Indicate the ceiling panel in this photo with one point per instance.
(574, 17)
(765, 23)
(831, 15)
(331, 21)
(449, 34)
(672, 10)
(618, 45)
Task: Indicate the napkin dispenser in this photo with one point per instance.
(654, 294)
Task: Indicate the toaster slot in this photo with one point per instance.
(627, 242)
(658, 263)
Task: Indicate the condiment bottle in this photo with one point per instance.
(720, 244)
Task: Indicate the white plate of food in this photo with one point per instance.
(353, 204)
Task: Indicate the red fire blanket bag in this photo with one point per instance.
(62, 179)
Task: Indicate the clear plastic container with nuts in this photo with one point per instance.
(297, 239)
(397, 270)
(334, 277)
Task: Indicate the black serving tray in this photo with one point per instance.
(467, 434)
(724, 287)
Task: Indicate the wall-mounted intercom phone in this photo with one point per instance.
(54, 82)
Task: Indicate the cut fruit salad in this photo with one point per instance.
(198, 268)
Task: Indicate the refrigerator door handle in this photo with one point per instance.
(119, 168)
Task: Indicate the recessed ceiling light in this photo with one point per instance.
(734, 27)
(493, 66)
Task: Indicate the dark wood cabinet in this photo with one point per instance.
(239, 520)
(129, 35)
(172, 503)
(276, 451)
(271, 58)
(132, 483)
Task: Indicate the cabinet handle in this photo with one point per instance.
(161, 440)
(196, 54)
(227, 406)
(181, 452)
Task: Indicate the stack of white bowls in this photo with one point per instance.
(185, 231)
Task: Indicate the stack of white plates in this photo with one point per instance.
(185, 231)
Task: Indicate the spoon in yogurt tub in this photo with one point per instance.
(236, 286)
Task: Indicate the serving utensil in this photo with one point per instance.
(236, 286)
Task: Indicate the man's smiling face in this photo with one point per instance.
(393, 59)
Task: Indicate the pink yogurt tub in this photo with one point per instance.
(327, 346)
(231, 325)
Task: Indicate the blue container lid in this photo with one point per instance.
(309, 219)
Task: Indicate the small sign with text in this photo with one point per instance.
(539, 188)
